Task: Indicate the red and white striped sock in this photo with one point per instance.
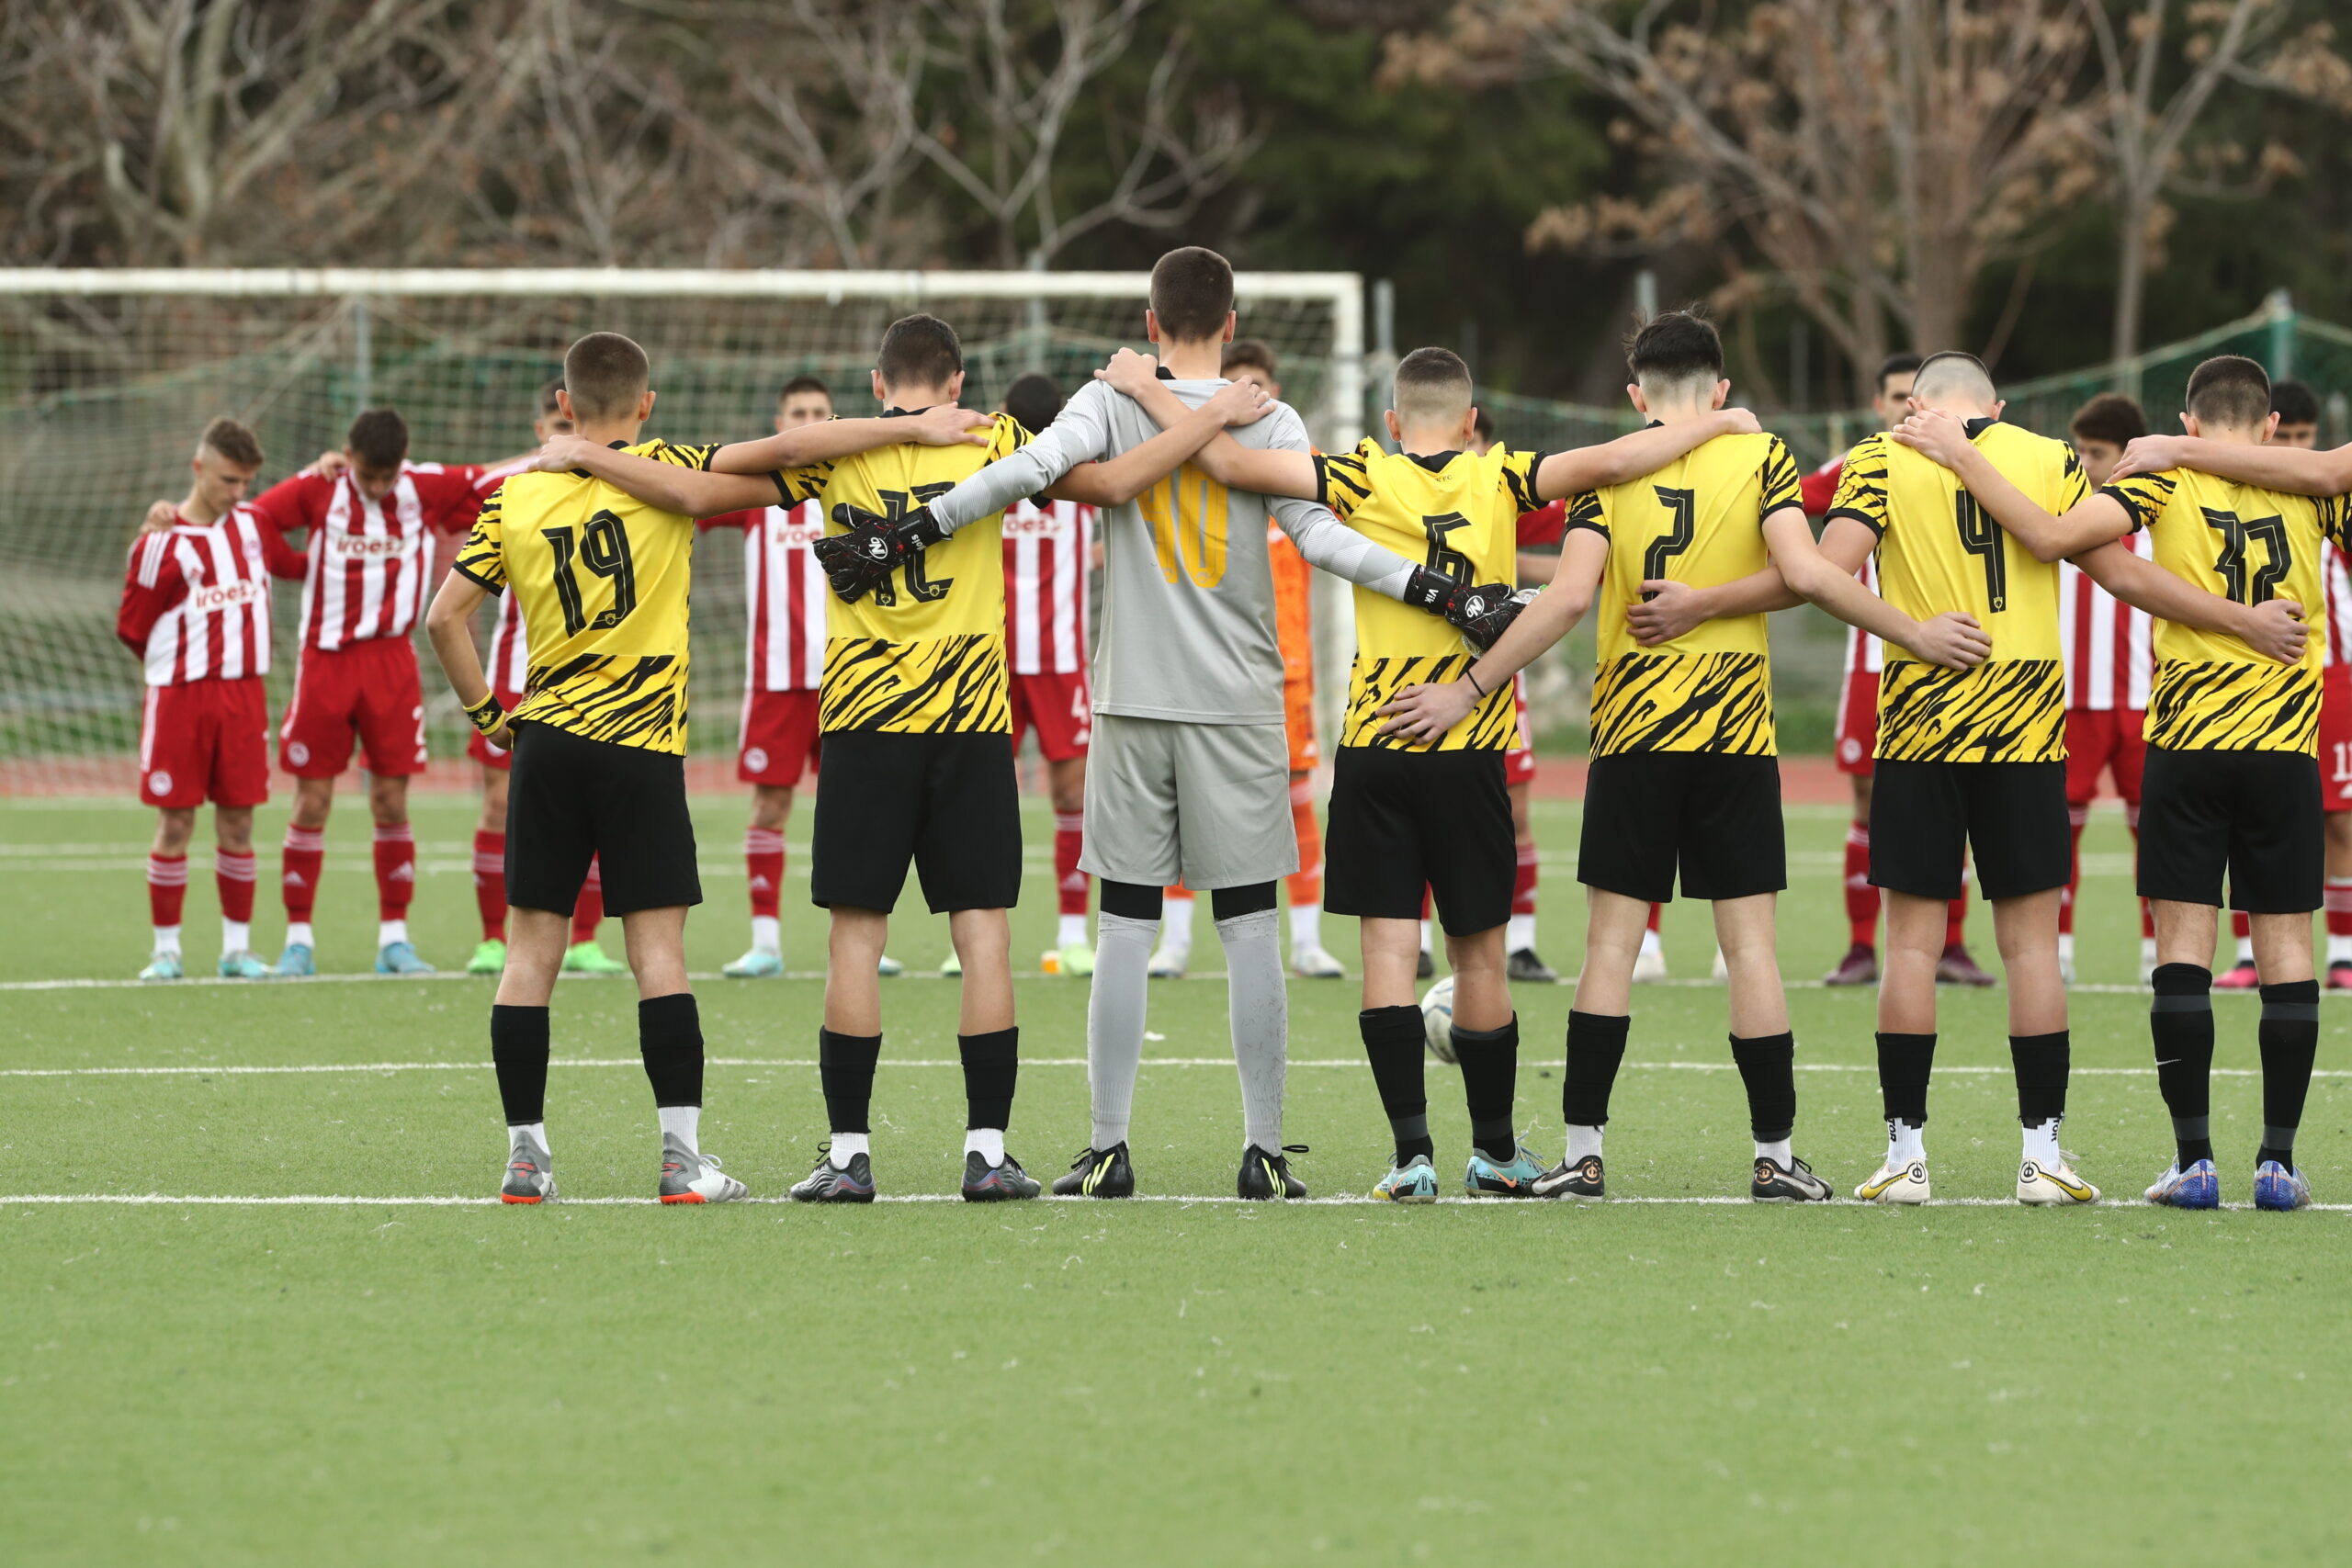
(395, 870)
(588, 910)
(306, 853)
(1069, 883)
(167, 892)
(235, 874)
(763, 858)
(490, 884)
(2339, 919)
(2243, 929)
(1520, 932)
(2077, 818)
(1862, 897)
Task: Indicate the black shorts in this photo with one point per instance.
(949, 805)
(2255, 815)
(1927, 817)
(1403, 820)
(1718, 818)
(569, 800)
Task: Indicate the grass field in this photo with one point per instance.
(390, 1371)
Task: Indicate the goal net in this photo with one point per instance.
(107, 377)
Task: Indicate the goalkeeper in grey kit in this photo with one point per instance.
(1189, 772)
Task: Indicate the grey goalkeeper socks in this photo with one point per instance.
(1115, 1016)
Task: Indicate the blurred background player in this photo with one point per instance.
(362, 595)
(1047, 546)
(1856, 734)
(778, 740)
(1538, 553)
(195, 610)
(2108, 673)
(510, 663)
(2296, 407)
(1252, 360)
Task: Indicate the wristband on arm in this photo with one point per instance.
(487, 715)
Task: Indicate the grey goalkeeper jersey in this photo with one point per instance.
(1188, 594)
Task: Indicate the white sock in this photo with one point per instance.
(1071, 933)
(1176, 925)
(1777, 1152)
(2041, 1145)
(845, 1146)
(535, 1132)
(683, 1122)
(1582, 1141)
(2148, 949)
(1425, 937)
(2065, 947)
(297, 934)
(1305, 928)
(2339, 949)
(167, 941)
(1905, 1144)
(236, 936)
(1651, 946)
(1519, 936)
(986, 1142)
(2246, 950)
(765, 936)
(390, 931)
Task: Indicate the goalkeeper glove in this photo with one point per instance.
(870, 548)
(1427, 590)
(1484, 612)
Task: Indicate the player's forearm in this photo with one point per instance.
(1332, 546)
(2047, 538)
(1016, 476)
(1628, 458)
(1757, 593)
(2144, 585)
(2293, 469)
(821, 441)
(690, 492)
(1819, 581)
(1549, 617)
(449, 626)
(1131, 473)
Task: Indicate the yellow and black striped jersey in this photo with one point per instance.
(1457, 512)
(2211, 691)
(924, 652)
(1699, 520)
(601, 579)
(1940, 552)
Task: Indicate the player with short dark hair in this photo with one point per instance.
(1430, 811)
(195, 610)
(1684, 772)
(1972, 513)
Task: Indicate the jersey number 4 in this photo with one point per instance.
(2229, 565)
(1980, 536)
(603, 548)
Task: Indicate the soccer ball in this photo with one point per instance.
(1437, 1019)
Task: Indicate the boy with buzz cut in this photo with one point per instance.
(1978, 757)
(2232, 785)
(1431, 810)
(1684, 766)
(917, 729)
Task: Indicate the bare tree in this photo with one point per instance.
(1876, 155)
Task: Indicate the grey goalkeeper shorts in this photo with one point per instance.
(1206, 803)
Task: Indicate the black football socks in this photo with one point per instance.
(1393, 1042)
(1490, 1060)
(2180, 1023)
(2289, 1037)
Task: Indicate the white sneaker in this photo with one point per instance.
(688, 1176)
(1648, 967)
(2147, 959)
(2045, 1187)
(1314, 963)
(1906, 1183)
(1168, 964)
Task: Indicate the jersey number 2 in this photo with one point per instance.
(1682, 528)
(603, 548)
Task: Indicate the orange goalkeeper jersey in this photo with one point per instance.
(1293, 581)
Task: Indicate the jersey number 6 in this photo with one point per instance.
(603, 548)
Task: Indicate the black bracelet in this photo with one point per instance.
(1471, 675)
(487, 715)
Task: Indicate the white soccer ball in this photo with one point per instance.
(1437, 1019)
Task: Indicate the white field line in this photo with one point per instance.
(270, 1071)
(449, 1200)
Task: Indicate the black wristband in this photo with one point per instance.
(1470, 674)
(921, 530)
(488, 714)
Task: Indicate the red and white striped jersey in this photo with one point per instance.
(369, 559)
(2335, 576)
(509, 654)
(1865, 652)
(1046, 546)
(2106, 642)
(196, 599)
(784, 595)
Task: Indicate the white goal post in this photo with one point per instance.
(106, 375)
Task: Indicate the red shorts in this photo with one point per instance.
(2335, 739)
(205, 740)
(1298, 720)
(1061, 708)
(477, 745)
(1519, 763)
(779, 739)
(1857, 731)
(2097, 740)
(369, 689)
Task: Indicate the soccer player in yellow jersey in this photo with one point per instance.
(917, 730)
(1431, 812)
(600, 736)
(1979, 757)
(1684, 767)
(2232, 785)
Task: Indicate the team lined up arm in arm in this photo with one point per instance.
(2089, 534)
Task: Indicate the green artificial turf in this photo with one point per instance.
(1150, 1383)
